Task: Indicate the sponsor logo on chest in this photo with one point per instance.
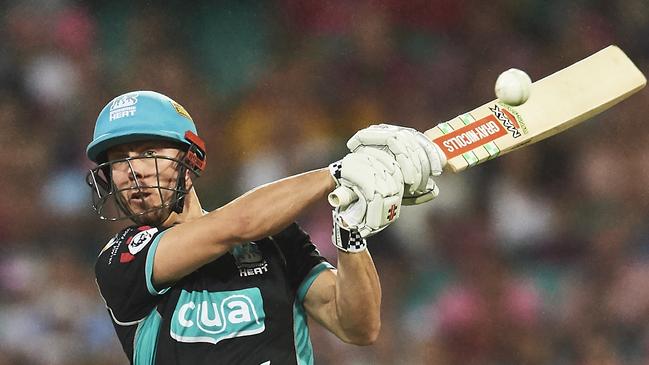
(214, 316)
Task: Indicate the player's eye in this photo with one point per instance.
(149, 153)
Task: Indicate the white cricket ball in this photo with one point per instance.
(513, 87)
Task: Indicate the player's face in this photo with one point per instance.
(147, 179)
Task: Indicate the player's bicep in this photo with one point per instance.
(320, 301)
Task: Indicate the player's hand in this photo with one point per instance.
(417, 156)
(376, 179)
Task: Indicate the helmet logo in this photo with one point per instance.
(182, 111)
(123, 106)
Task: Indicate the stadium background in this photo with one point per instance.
(540, 257)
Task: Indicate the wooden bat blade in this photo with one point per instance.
(557, 102)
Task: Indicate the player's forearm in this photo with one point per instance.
(358, 298)
(269, 208)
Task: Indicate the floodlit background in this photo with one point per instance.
(540, 257)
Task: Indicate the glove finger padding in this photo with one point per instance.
(389, 139)
(435, 157)
(372, 171)
(404, 147)
(418, 158)
(419, 199)
(376, 179)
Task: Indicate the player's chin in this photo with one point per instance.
(151, 213)
(153, 217)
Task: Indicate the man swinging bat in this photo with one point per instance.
(235, 285)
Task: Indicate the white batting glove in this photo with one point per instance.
(376, 179)
(417, 156)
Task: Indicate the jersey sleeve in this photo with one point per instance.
(124, 271)
(303, 260)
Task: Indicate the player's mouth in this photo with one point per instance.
(139, 195)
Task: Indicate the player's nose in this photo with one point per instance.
(139, 169)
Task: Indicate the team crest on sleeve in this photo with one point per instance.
(138, 241)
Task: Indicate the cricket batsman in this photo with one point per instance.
(235, 285)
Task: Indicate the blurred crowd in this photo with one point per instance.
(539, 257)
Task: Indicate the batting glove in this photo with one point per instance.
(417, 156)
(376, 179)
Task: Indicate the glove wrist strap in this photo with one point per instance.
(335, 169)
(347, 240)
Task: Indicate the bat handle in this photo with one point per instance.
(341, 197)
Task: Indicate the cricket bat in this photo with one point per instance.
(556, 103)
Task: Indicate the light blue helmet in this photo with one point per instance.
(137, 116)
(140, 116)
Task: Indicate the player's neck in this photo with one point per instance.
(191, 210)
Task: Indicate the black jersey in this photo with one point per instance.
(243, 308)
